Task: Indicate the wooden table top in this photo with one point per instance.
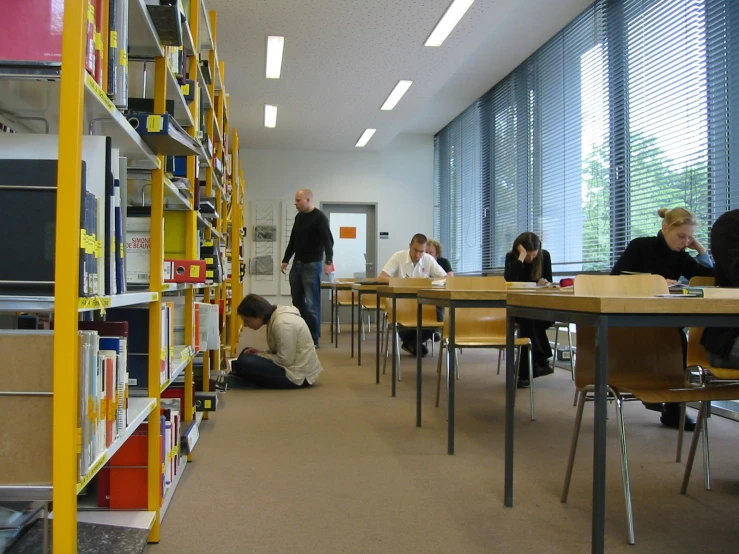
(675, 304)
(368, 287)
(390, 291)
(444, 294)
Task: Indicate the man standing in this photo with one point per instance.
(414, 262)
(309, 240)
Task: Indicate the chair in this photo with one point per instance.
(369, 305)
(343, 299)
(480, 328)
(406, 315)
(560, 325)
(647, 365)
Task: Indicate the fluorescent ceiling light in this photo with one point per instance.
(270, 116)
(400, 89)
(275, 46)
(446, 25)
(365, 138)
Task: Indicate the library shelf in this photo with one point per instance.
(206, 34)
(143, 39)
(187, 39)
(35, 96)
(184, 357)
(172, 488)
(136, 519)
(46, 303)
(204, 89)
(138, 410)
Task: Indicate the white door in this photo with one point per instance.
(350, 243)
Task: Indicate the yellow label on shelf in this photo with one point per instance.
(91, 13)
(94, 302)
(207, 404)
(194, 271)
(90, 82)
(185, 354)
(78, 440)
(163, 354)
(121, 251)
(112, 408)
(112, 244)
(163, 468)
(113, 41)
(185, 89)
(209, 261)
(154, 123)
(98, 42)
(209, 274)
(123, 61)
(93, 471)
(99, 249)
(83, 239)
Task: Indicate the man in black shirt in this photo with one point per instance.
(309, 239)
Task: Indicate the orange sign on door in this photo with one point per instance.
(347, 232)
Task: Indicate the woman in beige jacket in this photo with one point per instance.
(291, 361)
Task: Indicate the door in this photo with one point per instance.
(355, 241)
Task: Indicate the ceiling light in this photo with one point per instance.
(365, 138)
(270, 116)
(400, 89)
(454, 13)
(275, 46)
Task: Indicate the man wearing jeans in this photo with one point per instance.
(310, 239)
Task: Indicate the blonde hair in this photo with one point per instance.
(437, 245)
(677, 217)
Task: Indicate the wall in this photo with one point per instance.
(399, 179)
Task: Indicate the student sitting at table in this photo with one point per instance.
(528, 262)
(722, 343)
(665, 254)
(291, 361)
(414, 262)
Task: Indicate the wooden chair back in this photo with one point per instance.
(620, 285)
(420, 282)
(369, 301)
(648, 359)
(462, 282)
(344, 297)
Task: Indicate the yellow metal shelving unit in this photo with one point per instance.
(81, 100)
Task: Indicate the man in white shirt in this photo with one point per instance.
(413, 262)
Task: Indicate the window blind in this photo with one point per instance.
(630, 108)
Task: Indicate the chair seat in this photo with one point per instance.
(487, 341)
(425, 324)
(689, 393)
(723, 373)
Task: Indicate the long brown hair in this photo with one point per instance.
(530, 241)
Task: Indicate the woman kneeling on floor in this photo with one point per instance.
(291, 361)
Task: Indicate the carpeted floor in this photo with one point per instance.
(341, 467)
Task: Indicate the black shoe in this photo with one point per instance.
(317, 346)
(671, 418)
(523, 384)
(410, 348)
(542, 369)
(437, 337)
(424, 351)
(654, 406)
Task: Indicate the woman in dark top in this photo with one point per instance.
(528, 262)
(434, 248)
(722, 343)
(665, 255)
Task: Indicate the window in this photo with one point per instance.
(628, 109)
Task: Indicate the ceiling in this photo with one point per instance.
(343, 57)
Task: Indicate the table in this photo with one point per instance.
(451, 299)
(395, 293)
(719, 308)
(360, 289)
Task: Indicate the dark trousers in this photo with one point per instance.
(305, 288)
(259, 371)
(536, 331)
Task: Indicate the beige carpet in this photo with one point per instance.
(341, 467)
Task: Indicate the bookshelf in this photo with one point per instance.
(71, 105)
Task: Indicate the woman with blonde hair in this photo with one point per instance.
(434, 248)
(665, 254)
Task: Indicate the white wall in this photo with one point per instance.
(399, 179)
